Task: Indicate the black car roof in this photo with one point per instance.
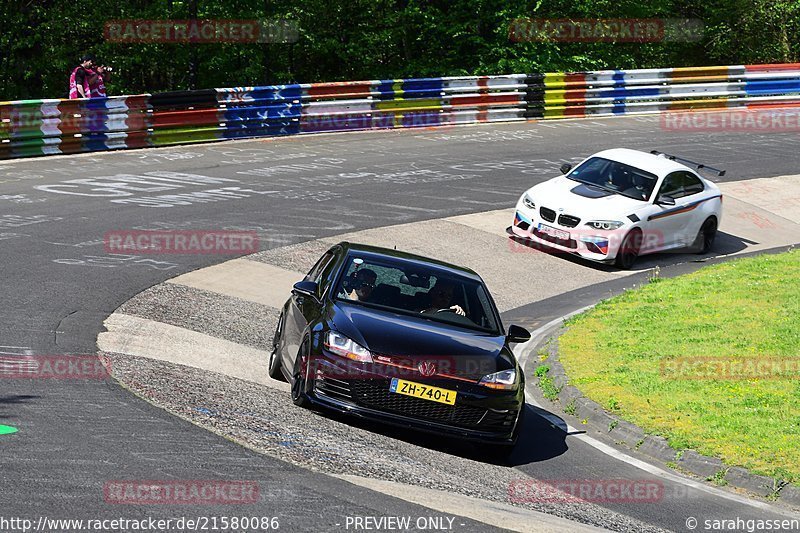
(377, 252)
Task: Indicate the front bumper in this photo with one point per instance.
(594, 245)
(480, 416)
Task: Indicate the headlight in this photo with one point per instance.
(605, 224)
(528, 201)
(505, 380)
(341, 345)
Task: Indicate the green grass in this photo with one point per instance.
(546, 383)
(745, 310)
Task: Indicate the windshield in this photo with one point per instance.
(615, 177)
(425, 292)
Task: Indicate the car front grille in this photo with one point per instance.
(568, 221)
(335, 388)
(499, 420)
(547, 214)
(375, 394)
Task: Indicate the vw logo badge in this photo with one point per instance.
(427, 368)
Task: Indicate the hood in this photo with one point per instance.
(408, 340)
(586, 203)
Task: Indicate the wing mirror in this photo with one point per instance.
(565, 168)
(517, 334)
(305, 288)
(663, 199)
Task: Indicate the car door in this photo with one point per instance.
(669, 223)
(693, 194)
(302, 309)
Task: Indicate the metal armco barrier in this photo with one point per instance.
(43, 127)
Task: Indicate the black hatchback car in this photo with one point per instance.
(401, 339)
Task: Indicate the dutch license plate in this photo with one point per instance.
(554, 232)
(426, 392)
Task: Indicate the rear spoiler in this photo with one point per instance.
(698, 166)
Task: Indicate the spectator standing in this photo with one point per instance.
(79, 78)
(88, 81)
(97, 86)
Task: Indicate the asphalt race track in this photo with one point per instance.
(60, 285)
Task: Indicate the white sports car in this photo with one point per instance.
(619, 204)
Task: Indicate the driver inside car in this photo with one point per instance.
(361, 285)
(441, 296)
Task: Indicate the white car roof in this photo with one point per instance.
(660, 166)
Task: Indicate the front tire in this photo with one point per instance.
(629, 250)
(706, 236)
(274, 367)
(299, 379)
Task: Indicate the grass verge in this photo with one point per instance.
(710, 360)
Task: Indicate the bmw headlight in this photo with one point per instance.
(605, 224)
(528, 201)
(504, 380)
(340, 345)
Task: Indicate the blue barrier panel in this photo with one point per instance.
(762, 87)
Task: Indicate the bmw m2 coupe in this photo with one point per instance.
(619, 204)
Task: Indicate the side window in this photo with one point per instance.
(691, 184)
(672, 186)
(680, 184)
(327, 273)
(316, 272)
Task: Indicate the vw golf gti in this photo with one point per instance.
(401, 339)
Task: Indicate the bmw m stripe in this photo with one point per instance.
(682, 209)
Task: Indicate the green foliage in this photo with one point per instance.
(571, 408)
(375, 39)
(546, 383)
(718, 478)
(746, 311)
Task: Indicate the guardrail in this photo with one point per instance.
(42, 127)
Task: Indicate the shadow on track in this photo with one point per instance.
(539, 438)
(13, 400)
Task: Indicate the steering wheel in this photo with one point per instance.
(445, 310)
